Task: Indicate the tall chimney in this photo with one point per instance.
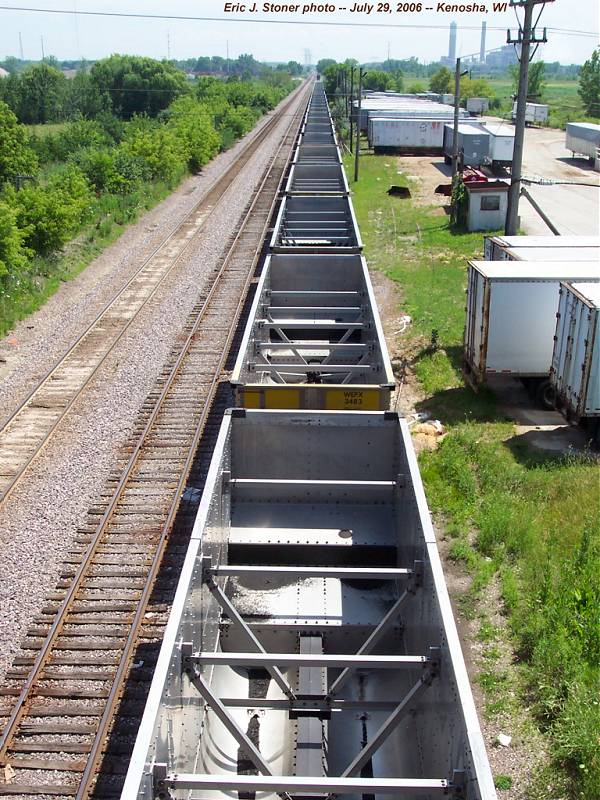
(482, 46)
(452, 43)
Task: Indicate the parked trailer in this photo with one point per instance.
(477, 105)
(473, 144)
(575, 373)
(511, 318)
(535, 113)
(405, 108)
(501, 143)
(551, 254)
(583, 138)
(494, 247)
(316, 224)
(408, 135)
(285, 653)
(319, 179)
(317, 154)
(314, 338)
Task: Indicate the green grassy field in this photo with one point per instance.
(529, 523)
(561, 96)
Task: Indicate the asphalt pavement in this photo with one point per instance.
(573, 209)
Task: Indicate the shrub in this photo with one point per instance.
(51, 215)
(130, 172)
(77, 136)
(13, 254)
(194, 129)
(157, 145)
(98, 166)
(16, 155)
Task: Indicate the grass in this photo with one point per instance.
(527, 521)
(47, 128)
(561, 96)
(110, 218)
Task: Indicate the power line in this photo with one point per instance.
(263, 21)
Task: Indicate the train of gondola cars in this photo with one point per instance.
(311, 650)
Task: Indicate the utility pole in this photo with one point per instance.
(525, 37)
(361, 74)
(351, 107)
(455, 157)
(456, 112)
(21, 46)
(42, 41)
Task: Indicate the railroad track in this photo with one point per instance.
(63, 691)
(34, 421)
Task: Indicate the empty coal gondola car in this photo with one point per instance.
(314, 338)
(317, 178)
(316, 224)
(311, 648)
(317, 154)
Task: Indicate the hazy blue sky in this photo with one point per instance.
(74, 35)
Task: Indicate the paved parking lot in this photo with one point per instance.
(573, 209)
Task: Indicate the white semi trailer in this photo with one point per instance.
(511, 319)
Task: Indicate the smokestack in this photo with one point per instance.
(482, 46)
(452, 43)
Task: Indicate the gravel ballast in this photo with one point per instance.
(39, 520)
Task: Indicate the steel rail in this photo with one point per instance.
(209, 200)
(41, 659)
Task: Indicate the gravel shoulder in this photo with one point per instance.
(39, 520)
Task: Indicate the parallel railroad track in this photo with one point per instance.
(67, 686)
(35, 420)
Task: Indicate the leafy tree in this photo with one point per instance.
(293, 68)
(11, 64)
(589, 84)
(51, 215)
(41, 90)
(376, 80)
(323, 64)
(13, 254)
(98, 166)
(417, 88)
(193, 127)
(138, 85)
(441, 81)
(535, 78)
(158, 145)
(84, 98)
(474, 87)
(16, 155)
(130, 172)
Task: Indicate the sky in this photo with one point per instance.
(399, 33)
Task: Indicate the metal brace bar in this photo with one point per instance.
(299, 660)
(302, 704)
(295, 783)
(394, 719)
(227, 605)
(416, 580)
(238, 734)
(305, 367)
(343, 573)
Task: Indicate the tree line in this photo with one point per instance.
(99, 169)
(120, 85)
